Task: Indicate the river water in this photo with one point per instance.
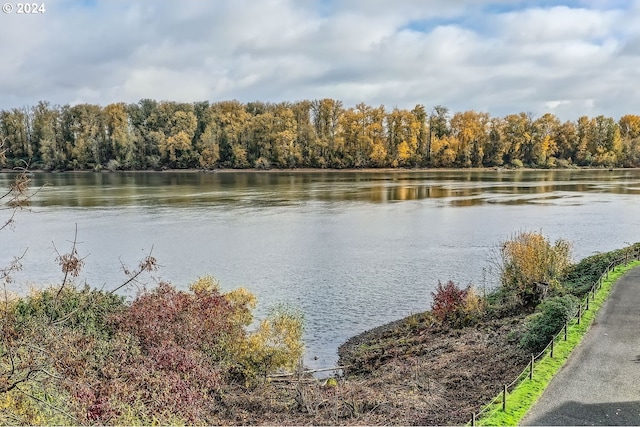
(351, 250)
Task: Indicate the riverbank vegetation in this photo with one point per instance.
(77, 355)
(304, 134)
(458, 367)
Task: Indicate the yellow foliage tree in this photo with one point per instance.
(209, 148)
(404, 152)
(378, 154)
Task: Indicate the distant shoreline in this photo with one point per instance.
(327, 170)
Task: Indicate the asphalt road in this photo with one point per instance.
(600, 383)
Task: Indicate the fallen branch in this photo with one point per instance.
(310, 371)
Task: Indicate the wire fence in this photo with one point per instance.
(549, 349)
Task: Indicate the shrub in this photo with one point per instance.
(551, 162)
(165, 358)
(215, 324)
(277, 344)
(109, 378)
(262, 163)
(86, 308)
(36, 403)
(455, 306)
(549, 318)
(114, 165)
(503, 303)
(579, 278)
(166, 316)
(528, 258)
(474, 306)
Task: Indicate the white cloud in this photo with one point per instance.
(556, 24)
(497, 56)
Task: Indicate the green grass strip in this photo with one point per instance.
(525, 394)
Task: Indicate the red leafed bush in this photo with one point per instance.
(162, 382)
(166, 316)
(448, 302)
(456, 306)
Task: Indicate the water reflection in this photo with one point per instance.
(231, 188)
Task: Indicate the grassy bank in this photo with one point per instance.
(527, 392)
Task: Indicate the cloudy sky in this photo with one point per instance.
(570, 58)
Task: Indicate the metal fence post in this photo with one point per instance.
(552, 345)
(587, 307)
(565, 331)
(473, 419)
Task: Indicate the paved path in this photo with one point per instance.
(600, 383)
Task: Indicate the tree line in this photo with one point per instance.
(311, 134)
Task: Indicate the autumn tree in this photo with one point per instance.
(208, 148)
(325, 114)
(361, 134)
(599, 141)
(421, 117)
(544, 146)
(630, 134)
(119, 141)
(273, 137)
(375, 130)
(353, 136)
(606, 143)
(176, 147)
(47, 135)
(438, 129)
(470, 131)
(517, 130)
(231, 124)
(584, 132)
(86, 129)
(146, 133)
(629, 126)
(403, 130)
(566, 137)
(14, 131)
(496, 146)
(306, 140)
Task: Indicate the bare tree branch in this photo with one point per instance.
(148, 264)
(70, 262)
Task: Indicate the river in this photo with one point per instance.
(351, 249)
